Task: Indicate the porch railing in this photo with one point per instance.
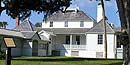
(66, 46)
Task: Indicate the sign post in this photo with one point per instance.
(9, 42)
(8, 56)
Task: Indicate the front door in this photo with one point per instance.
(35, 48)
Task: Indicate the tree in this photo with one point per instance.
(124, 13)
(2, 54)
(23, 8)
(3, 24)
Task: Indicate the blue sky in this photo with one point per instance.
(89, 7)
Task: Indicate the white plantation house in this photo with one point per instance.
(78, 34)
(73, 33)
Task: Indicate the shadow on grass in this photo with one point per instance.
(58, 59)
(53, 59)
(118, 63)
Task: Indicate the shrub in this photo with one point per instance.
(2, 54)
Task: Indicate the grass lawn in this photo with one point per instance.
(60, 61)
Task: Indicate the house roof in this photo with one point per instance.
(25, 26)
(28, 34)
(67, 30)
(7, 32)
(27, 29)
(98, 28)
(70, 16)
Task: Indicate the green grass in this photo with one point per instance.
(60, 61)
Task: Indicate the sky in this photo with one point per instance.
(88, 6)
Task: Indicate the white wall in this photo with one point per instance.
(71, 24)
(111, 46)
(27, 48)
(93, 47)
(18, 50)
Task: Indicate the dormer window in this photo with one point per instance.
(81, 23)
(51, 23)
(66, 23)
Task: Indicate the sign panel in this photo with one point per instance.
(9, 42)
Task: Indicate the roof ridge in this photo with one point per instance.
(70, 16)
(90, 16)
(110, 26)
(94, 26)
(30, 25)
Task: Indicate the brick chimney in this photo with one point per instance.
(17, 21)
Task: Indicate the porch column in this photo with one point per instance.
(30, 44)
(71, 38)
(86, 41)
(49, 49)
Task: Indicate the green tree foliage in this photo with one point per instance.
(2, 54)
(3, 24)
(23, 8)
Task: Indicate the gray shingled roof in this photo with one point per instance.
(66, 30)
(25, 26)
(98, 28)
(28, 34)
(70, 16)
(12, 33)
(27, 29)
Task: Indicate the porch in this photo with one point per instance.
(69, 42)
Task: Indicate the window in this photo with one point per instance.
(66, 23)
(78, 40)
(81, 23)
(100, 39)
(67, 39)
(51, 23)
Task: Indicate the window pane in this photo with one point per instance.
(67, 39)
(78, 40)
(51, 24)
(81, 23)
(66, 23)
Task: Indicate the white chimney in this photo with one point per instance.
(99, 12)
